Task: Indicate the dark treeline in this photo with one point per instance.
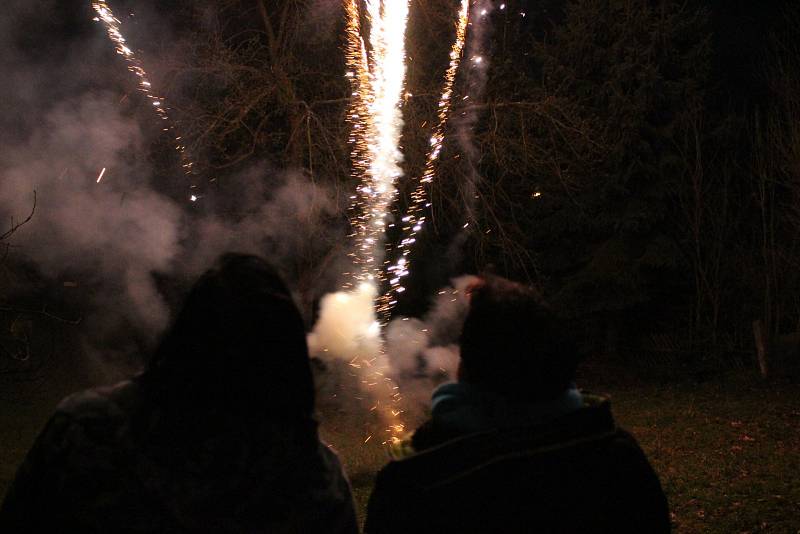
(638, 161)
(646, 154)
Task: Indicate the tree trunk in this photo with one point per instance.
(761, 347)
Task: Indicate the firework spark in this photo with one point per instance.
(414, 220)
(388, 21)
(361, 136)
(102, 173)
(113, 29)
(377, 123)
(375, 117)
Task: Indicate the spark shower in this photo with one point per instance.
(376, 123)
(350, 321)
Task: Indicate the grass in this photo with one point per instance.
(21, 419)
(727, 450)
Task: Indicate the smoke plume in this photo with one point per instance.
(105, 229)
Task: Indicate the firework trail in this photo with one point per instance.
(377, 123)
(113, 29)
(463, 124)
(414, 220)
(361, 136)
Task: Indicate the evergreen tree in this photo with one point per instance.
(597, 97)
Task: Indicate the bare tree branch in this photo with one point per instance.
(43, 312)
(15, 227)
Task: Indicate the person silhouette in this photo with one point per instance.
(513, 445)
(216, 435)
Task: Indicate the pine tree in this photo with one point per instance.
(596, 97)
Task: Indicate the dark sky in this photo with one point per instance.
(52, 32)
(740, 26)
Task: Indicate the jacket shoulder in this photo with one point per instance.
(582, 468)
(103, 401)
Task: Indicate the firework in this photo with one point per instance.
(414, 220)
(347, 331)
(377, 82)
(375, 118)
(376, 121)
(361, 127)
(388, 20)
(113, 29)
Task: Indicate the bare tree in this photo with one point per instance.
(776, 190)
(263, 82)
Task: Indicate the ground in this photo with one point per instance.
(727, 449)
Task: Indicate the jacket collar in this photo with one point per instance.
(466, 409)
(592, 421)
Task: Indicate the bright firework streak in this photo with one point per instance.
(387, 39)
(376, 123)
(101, 175)
(414, 220)
(388, 20)
(113, 24)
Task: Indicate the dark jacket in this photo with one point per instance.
(576, 473)
(111, 461)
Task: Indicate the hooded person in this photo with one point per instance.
(216, 435)
(514, 446)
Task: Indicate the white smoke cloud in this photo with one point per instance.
(406, 339)
(114, 230)
(450, 306)
(413, 358)
(347, 328)
(443, 359)
(120, 242)
(283, 216)
(423, 353)
(112, 236)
